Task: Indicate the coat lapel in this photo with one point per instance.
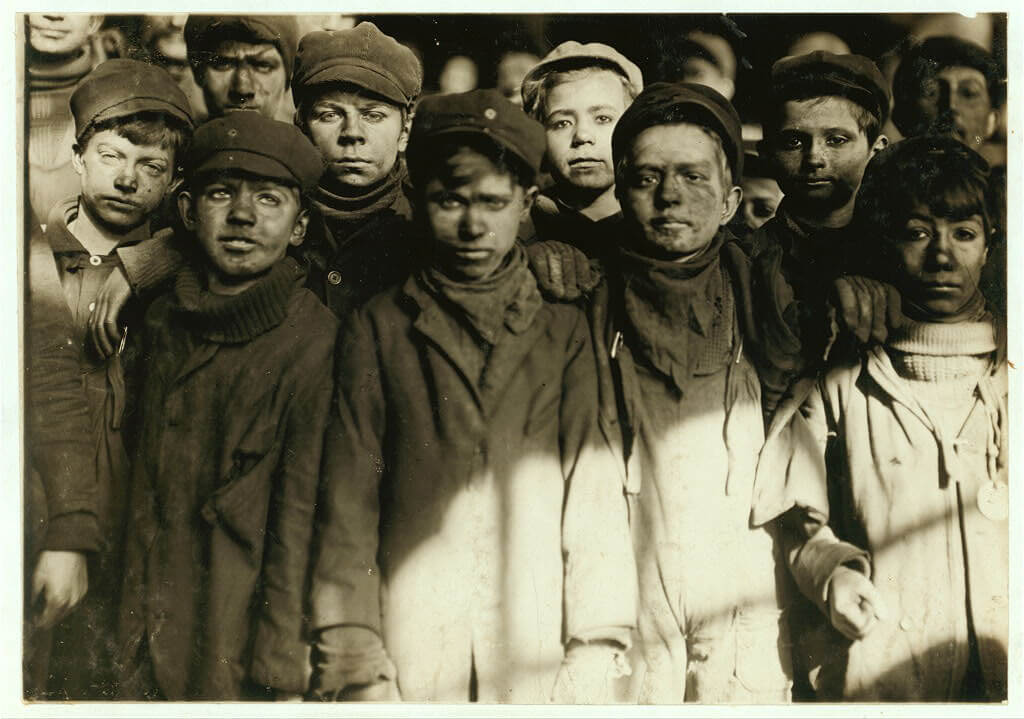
(508, 355)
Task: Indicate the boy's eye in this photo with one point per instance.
(790, 142)
(604, 119)
(965, 234)
(218, 193)
(108, 157)
(694, 177)
(646, 179)
(495, 203)
(262, 66)
(917, 234)
(155, 169)
(447, 202)
(373, 115)
(837, 140)
(326, 116)
(222, 64)
(559, 124)
(269, 199)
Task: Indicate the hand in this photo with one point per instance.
(563, 272)
(854, 604)
(385, 691)
(588, 674)
(104, 334)
(869, 308)
(60, 580)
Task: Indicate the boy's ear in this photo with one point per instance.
(76, 158)
(731, 205)
(990, 124)
(187, 210)
(881, 142)
(299, 229)
(94, 24)
(403, 137)
(529, 198)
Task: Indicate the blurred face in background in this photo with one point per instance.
(308, 22)
(511, 71)
(761, 198)
(955, 101)
(458, 75)
(165, 37)
(56, 34)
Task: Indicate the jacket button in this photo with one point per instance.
(906, 624)
(334, 277)
(95, 260)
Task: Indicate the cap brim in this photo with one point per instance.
(474, 131)
(142, 104)
(361, 76)
(246, 161)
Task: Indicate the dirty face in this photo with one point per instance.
(244, 76)
(955, 102)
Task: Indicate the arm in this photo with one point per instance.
(346, 580)
(281, 652)
(600, 591)
(61, 452)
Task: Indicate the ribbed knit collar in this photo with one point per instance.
(236, 319)
(945, 340)
(50, 76)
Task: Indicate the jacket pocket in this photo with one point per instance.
(762, 653)
(241, 504)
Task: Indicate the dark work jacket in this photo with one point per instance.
(551, 220)
(224, 488)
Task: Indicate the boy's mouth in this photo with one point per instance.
(120, 203)
(237, 244)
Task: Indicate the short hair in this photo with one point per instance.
(142, 128)
(675, 115)
(423, 164)
(939, 173)
(867, 121)
(535, 90)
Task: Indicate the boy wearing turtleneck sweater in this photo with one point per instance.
(234, 401)
(60, 54)
(125, 158)
(680, 391)
(889, 481)
(475, 545)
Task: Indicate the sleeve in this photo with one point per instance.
(346, 579)
(792, 488)
(600, 589)
(61, 449)
(281, 651)
(149, 264)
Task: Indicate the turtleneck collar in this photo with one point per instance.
(51, 72)
(236, 319)
(509, 297)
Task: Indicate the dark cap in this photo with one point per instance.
(820, 73)
(363, 56)
(203, 33)
(479, 112)
(249, 142)
(117, 88)
(669, 103)
(923, 60)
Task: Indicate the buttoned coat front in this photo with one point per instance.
(500, 514)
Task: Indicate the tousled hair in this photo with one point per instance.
(866, 120)
(142, 128)
(535, 90)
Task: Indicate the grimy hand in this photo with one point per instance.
(870, 309)
(104, 333)
(854, 604)
(60, 581)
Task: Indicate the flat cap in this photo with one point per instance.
(669, 103)
(203, 33)
(117, 88)
(572, 54)
(821, 73)
(249, 142)
(363, 56)
(479, 112)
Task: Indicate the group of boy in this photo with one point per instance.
(531, 466)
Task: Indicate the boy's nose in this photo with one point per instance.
(241, 211)
(241, 81)
(126, 181)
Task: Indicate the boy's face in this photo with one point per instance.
(473, 209)
(940, 261)
(122, 183)
(955, 102)
(819, 152)
(57, 34)
(244, 224)
(761, 198)
(359, 135)
(581, 115)
(674, 189)
(244, 76)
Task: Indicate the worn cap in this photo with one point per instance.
(250, 142)
(117, 88)
(478, 112)
(667, 103)
(573, 54)
(363, 56)
(203, 33)
(821, 73)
